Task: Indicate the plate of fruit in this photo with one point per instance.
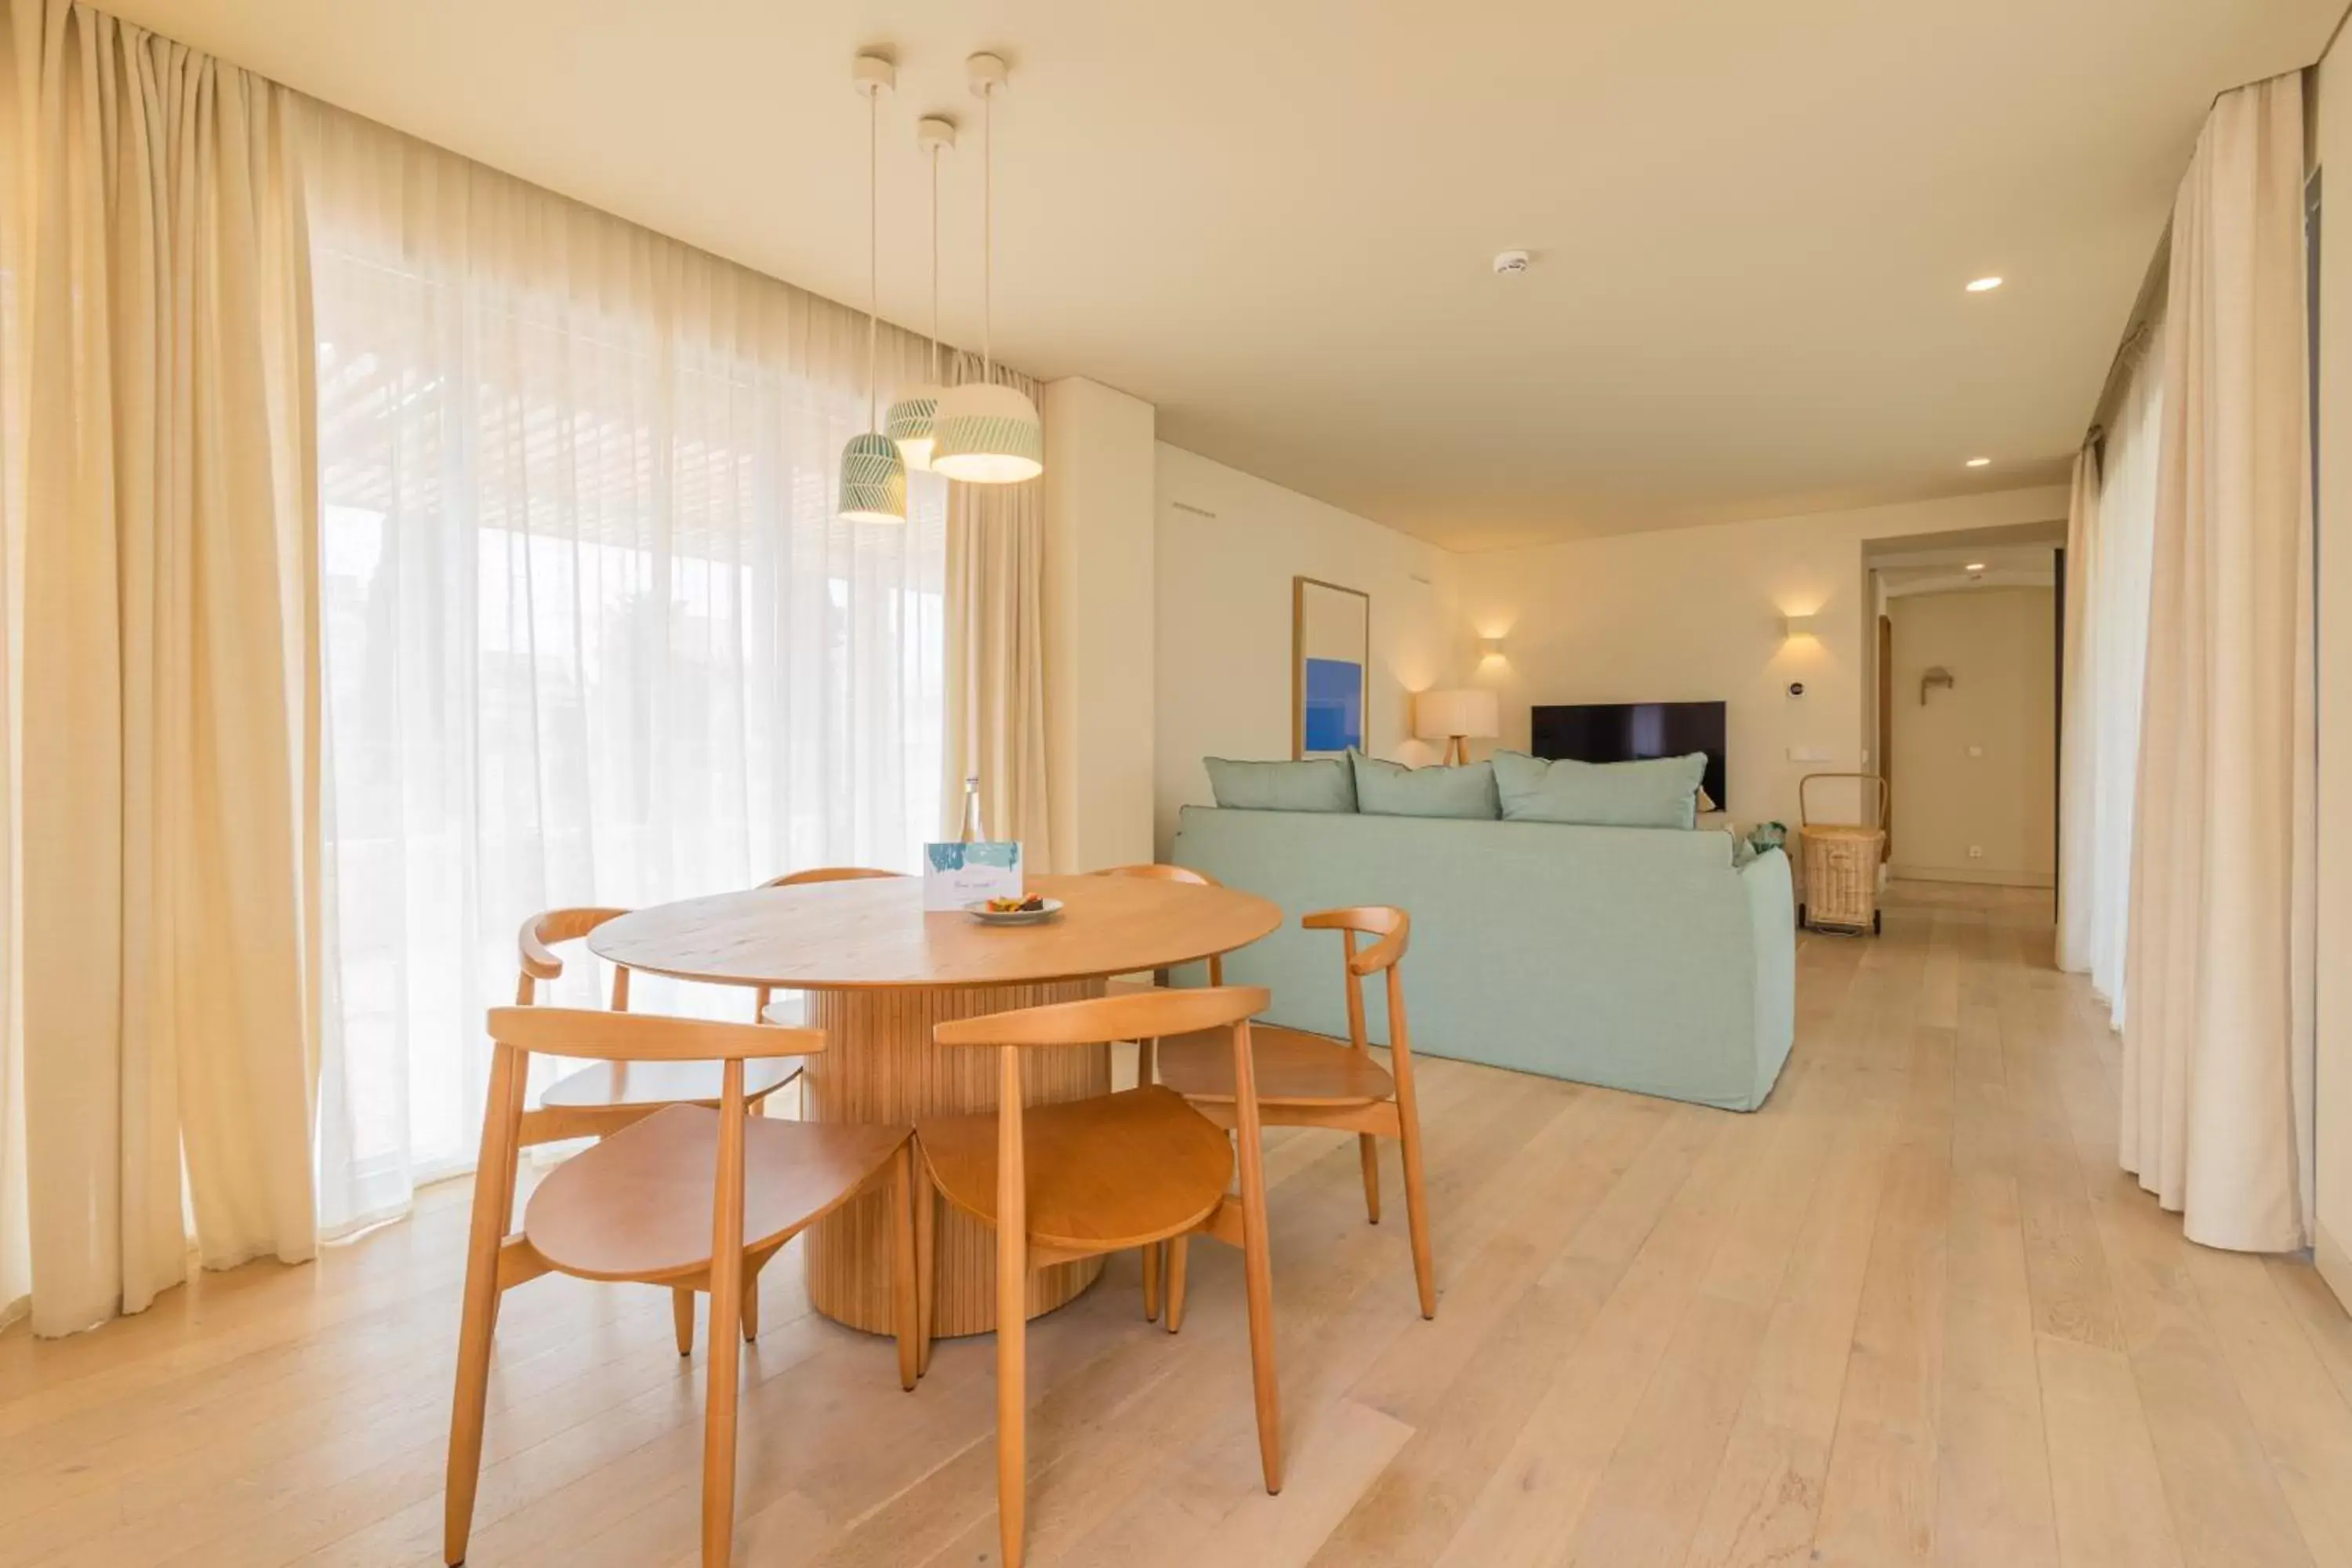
(1034, 909)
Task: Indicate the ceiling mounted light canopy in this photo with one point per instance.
(984, 434)
(1984, 285)
(914, 410)
(873, 476)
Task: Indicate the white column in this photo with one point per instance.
(1100, 452)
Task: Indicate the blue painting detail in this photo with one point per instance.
(1002, 855)
(1335, 704)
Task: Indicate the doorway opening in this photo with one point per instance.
(1965, 661)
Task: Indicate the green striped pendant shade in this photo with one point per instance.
(910, 424)
(987, 434)
(873, 480)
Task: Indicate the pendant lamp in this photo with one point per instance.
(985, 434)
(912, 411)
(873, 477)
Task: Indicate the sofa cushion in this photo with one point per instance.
(1391, 789)
(1662, 793)
(1322, 783)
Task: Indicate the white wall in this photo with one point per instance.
(1695, 615)
(1228, 546)
(2333, 1082)
(1100, 563)
(1975, 766)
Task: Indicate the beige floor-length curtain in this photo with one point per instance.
(2217, 1026)
(2111, 540)
(2078, 800)
(996, 652)
(161, 514)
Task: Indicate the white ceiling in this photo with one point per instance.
(1275, 221)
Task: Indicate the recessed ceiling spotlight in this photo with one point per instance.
(1980, 462)
(1984, 285)
(1975, 566)
(1511, 263)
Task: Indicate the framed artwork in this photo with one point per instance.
(1331, 665)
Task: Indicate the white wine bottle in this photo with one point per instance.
(972, 832)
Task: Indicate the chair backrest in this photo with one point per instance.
(1393, 927)
(535, 949)
(589, 1033)
(1158, 872)
(1162, 873)
(1103, 1019)
(827, 874)
(1386, 922)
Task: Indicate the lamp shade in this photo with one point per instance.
(910, 424)
(1472, 713)
(873, 480)
(984, 434)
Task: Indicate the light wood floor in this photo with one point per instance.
(1909, 1312)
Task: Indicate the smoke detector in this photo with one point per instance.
(1510, 263)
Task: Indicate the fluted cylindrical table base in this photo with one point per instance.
(880, 1065)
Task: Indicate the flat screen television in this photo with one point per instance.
(1633, 733)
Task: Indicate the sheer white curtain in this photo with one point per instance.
(2109, 545)
(2218, 1034)
(593, 634)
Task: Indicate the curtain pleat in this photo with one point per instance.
(2110, 538)
(2217, 1025)
(161, 502)
(996, 653)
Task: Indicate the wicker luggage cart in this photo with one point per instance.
(1840, 864)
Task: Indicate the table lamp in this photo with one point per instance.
(1456, 718)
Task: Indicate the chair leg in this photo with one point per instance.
(751, 1305)
(904, 1312)
(926, 1222)
(1011, 1398)
(681, 1317)
(1416, 1210)
(718, 1414)
(472, 1402)
(494, 1191)
(1257, 1277)
(1177, 1249)
(1368, 1149)
(1151, 1281)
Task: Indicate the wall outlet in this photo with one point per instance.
(1808, 755)
(1976, 851)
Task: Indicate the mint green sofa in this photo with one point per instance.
(1635, 958)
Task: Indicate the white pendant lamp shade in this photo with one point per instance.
(988, 435)
(910, 421)
(873, 480)
(984, 434)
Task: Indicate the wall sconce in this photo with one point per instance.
(1937, 675)
(1490, 647)
(1797, 625)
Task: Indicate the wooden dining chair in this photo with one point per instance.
(599, 1101)
(1145, 1050)
(804, 878)
(1076, 1180)
(1307, 1080)
(690, 1196)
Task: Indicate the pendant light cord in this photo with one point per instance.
(987, 234)
(935, 263)
(873, 243)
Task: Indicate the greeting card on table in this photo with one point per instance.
(955, 875)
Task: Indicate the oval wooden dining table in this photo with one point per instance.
(880, 972)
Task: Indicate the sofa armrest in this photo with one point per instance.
(1773, 916)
